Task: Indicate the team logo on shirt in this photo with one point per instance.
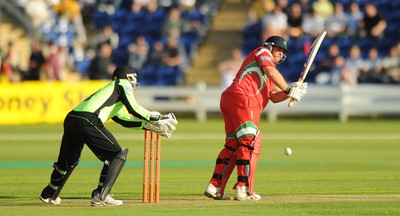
(129, 88)
(264, 57)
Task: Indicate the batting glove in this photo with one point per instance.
(297, 90)
(300, 85)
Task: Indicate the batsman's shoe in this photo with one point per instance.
(47, 196)
(213, 192)
(108, 201)
(222, 197)
(241, 194)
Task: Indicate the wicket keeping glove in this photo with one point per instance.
(165, 126)
(154, 126)
(168, 116)
(155, 116)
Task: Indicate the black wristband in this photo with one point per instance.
(287, 90)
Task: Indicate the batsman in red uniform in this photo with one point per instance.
(256, 83)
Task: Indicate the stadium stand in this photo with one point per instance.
(149, 21)
(389, 10)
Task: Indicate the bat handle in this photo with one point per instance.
(291, 102)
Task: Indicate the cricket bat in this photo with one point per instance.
(310, 59)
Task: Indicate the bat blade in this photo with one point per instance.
(310, 59)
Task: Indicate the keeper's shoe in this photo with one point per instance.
(213, 192)
(108, 201)
(241, 194)
(47, 196)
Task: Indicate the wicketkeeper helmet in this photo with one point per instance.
(126, 72)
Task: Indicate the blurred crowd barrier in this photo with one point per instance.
(373, 100)
(39, 102)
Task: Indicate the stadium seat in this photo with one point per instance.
(118, 19)
(148, 75)
(100, 19)
(170, 76)
(120, 56)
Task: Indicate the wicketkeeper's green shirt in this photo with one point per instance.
(110, 102)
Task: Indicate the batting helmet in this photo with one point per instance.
(277, 41)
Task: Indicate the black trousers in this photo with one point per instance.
(85, 128)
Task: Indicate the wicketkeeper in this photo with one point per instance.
(256, 83)
(84, 125)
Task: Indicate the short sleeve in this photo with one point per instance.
(264, 57)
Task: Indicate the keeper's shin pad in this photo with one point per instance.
(114, 170)
(63, 179)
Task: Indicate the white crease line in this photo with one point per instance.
(208, 136)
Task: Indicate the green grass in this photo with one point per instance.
(335, 169)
